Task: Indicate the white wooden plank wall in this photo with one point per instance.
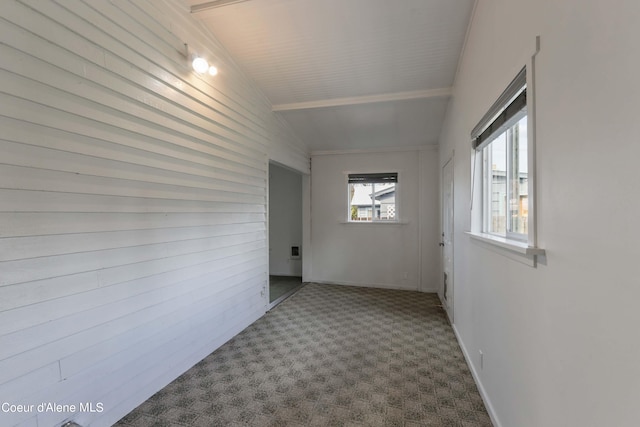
(132, 202)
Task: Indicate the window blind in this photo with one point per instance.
(373, 178)
(510, 107)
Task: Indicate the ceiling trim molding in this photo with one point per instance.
(367, 99)
(201, 7)
(472, 18)
(430, 147)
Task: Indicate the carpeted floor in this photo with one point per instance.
(329, 356)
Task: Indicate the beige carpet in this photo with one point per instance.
(329, 356)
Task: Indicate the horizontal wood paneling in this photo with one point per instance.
(12, 200)
(119, 318)
(43, 223)
(19, 318)
(132, 202)
(40, 246)
(148, 103)
(63, 181)
(150, 382)
(88, 357)
(175, 149)
(121, 149)
(24, 385)
(141, 375)
(24, 155)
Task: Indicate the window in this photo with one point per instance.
(500, 142)
(504, 162)
(372, 197)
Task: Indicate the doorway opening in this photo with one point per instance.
(285, 233)
(282, 287)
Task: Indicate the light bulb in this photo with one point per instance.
(213, 70)
(200, 65)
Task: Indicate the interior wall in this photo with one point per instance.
(285, 221)
(557, 339)
(366, 254)
(133, 203)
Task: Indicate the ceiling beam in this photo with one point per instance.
(368, 99)
(201, 7)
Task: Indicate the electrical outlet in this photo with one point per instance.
(481, 359)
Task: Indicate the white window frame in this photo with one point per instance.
(487, 199)
(520, 244)
(373, 220)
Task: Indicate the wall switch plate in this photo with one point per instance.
(295, 252)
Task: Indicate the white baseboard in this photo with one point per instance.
(476, 378)
(367, 285)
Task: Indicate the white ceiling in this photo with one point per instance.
(348, 74)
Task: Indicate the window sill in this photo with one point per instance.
(513, 247)
(376, 222)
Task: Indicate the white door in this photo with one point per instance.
(446, 289)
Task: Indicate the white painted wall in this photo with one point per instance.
(285, 221)
(379, 255)
(559, 340)
(132, 203)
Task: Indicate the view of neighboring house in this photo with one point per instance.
(367, 199)
(518, 202)
(507, 207)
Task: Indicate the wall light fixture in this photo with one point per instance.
(199, 64)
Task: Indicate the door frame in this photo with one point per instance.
(447, 302)
(306, 228)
